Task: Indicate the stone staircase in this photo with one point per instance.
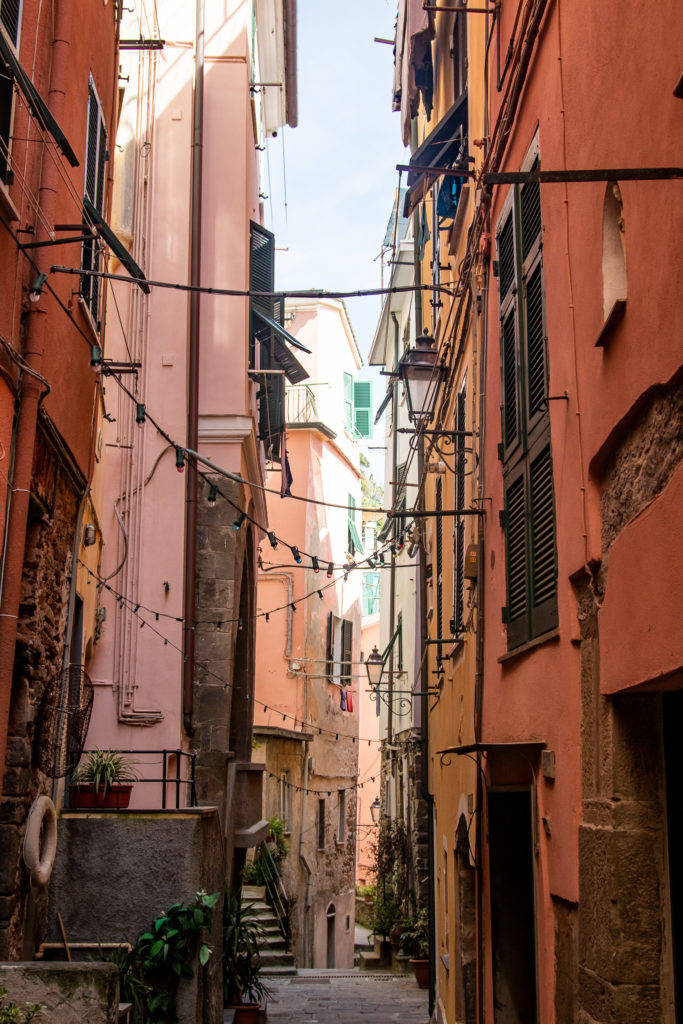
(277, 961)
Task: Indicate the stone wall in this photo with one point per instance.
(41, 635)
(68, 993)
(116, 872)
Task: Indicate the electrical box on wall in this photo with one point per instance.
(471, 561)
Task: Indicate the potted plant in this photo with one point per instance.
(243, 987)
(415, 944)
(104, 779)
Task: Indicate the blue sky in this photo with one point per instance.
(340, 161)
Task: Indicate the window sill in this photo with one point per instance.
(340, 842)
(614, 317)
(538, 641)
(6, 204)
(88, 320)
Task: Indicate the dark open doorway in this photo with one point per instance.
(672, 720)
(511, 857)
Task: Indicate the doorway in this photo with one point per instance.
(331, 919)
(513, 919)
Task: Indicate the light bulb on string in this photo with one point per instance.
(240, 519)
(330, 570)
(212, 495)
(179, 459)
(296, 554)
(139, 413)
(314, 562)
(272, 538)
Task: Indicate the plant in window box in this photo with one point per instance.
(415, 944)
(103, 780)
(243, 987)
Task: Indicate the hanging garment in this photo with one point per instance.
(349, 701)
(342, 699)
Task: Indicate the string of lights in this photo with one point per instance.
(321, 792)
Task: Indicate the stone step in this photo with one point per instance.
(278, 972)
(275, 958)
(372, 961)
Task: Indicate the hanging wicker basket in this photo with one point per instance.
(63, 723)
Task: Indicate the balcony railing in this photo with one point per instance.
(176, 778)
(301, 405)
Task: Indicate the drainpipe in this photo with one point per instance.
(30, 389)
(479, 670)
(193, 374)
(392, 569)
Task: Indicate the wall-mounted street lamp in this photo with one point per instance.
(422, 374)
(374, 806)
(399, 702)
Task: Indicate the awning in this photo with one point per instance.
(37, 105)
(270, 330)
(115, 244)
(440, 149)
(384, 403)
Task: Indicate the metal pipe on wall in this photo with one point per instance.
(193, 372)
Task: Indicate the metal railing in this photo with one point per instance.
(275, 890)
(301, 405)
(172, 777)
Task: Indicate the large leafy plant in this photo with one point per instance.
(242, 935)
(150, 970)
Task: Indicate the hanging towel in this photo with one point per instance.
(349, 701)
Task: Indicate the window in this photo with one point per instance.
(371, 593)
(10, 17)
(529, 513)
(341, 816)
(353, 539)
(459, 522)
(95, 160)
(321, 824)
(339, 650)
(357, 406)
(459, 54)
(284, 807)
(613, 260)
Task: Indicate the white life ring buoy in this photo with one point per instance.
(41, 824)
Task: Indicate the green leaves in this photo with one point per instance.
(150, 972)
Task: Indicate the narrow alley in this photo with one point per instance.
(346, 997)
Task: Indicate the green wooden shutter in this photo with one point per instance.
(354, 541)
(537, 390)
(517, 611)
(510, 368)
(506, 257)
(544, 614)
(530, 210)
(271, 404)
(362, 407)
(348, 402)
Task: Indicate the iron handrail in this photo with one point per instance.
(275, 890)
(167, 779)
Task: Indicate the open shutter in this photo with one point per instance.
(348, 402)
(362, 407)
(530, 205)
(10, 16)
(347, 651)
(261, 279)
(329, 670)
(271, 405)
(517, 558)
(544, 615)
(461, 469)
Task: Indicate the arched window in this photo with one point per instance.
(613, 255)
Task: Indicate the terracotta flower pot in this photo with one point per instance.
(421, 969)
(86, 797)
(247, 1013)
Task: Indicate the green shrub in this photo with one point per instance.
(10, 1013)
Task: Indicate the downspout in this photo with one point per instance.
(30, 389)
(424, 742)
(392, 570)
(479, 670)
(193, 374)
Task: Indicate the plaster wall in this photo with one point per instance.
(369, 760)
(534, 694)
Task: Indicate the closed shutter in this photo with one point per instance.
(261, 279)
(362, 408)
(537, 391)
(439, 561)
(543, 542)
(348, 402)
(517, 611)
(510, 365)
(530, 206)
(506, 257)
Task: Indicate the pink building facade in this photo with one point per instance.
(308, 676)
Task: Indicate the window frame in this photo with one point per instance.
(321, 838)
(7, 98)
(341, 817)
(94, 186)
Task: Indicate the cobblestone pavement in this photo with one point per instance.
(346, 997)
